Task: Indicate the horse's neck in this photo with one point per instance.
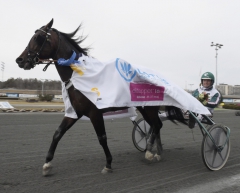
(65, 72)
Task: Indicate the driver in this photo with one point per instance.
(207, 94)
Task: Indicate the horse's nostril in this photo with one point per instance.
(19, 60)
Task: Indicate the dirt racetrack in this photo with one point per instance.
(79, 159)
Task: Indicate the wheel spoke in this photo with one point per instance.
(138, 130)
(139, 140)
(214, 157)
(144, 123)
(208, 151)
(141, 132)
(220, 154)
(209, 145)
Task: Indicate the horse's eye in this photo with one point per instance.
(40, 39)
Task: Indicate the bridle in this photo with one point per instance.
(34, 59)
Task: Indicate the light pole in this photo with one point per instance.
(190, 86)
(43, 80)
(2, 69)
(217, 46)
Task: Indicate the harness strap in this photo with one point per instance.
(45, 68)
(59, 41)
(68, 84)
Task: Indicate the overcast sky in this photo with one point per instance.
(170, 36)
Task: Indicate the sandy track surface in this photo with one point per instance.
(25, 139)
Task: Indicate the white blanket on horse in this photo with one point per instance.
(70, 112)
(118, 84)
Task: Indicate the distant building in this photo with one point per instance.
(226, 89)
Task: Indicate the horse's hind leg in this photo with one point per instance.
(66, 124)
(150, 114)
(159, 146)
(98, 124)
(157, 138)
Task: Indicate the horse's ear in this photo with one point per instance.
(49, 25)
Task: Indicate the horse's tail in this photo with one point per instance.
(175, 114)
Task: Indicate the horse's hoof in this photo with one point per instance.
(106, 170)
(149, 155)
(158, 157)
(47, 167)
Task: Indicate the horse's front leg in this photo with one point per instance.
(66, 124)
(96, 118)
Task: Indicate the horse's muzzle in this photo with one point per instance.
(26, 65)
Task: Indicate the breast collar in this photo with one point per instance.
(69, 83)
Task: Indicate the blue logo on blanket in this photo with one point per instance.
(125, 70)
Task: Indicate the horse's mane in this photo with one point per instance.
(75, 41)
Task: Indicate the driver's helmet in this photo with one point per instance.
(209, 76)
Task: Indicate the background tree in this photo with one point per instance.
(30, 84)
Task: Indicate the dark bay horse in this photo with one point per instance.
(49, 44)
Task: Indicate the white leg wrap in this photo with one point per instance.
(149, 155)
(106, 170)
(158, 157)
(47, 167)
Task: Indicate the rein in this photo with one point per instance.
(47, 62)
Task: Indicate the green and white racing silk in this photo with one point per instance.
(214, 97)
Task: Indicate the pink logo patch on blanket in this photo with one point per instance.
(146, 92)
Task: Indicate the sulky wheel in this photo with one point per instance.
(140, 134)
(213, 157)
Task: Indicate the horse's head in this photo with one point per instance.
(41, 46)
(48, 45)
